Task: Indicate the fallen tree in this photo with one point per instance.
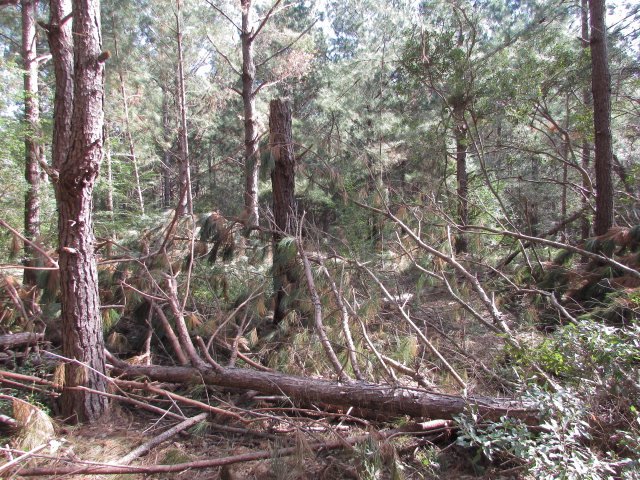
(394, 399)
(22, 339)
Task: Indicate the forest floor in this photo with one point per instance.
(428, 456)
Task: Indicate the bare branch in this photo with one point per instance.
(264, 20)
(30, 243)
(144, 448)
(558, 245)
(416, 329)
(288, 46)
(345, 323)
(224, 15)
(226, 59)
(317, 310)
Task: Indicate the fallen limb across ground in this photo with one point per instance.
(394, 399)
(78, 469)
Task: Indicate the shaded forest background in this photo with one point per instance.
(409, 194)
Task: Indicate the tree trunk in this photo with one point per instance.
(386, 399)
(127, 126)
(77, 152)
(284, 202)
(166, 165)
(585, 224)
(601, 91)
(107, 156)
(31, 144)
(61, 46)
(185, 204)
(251, 158)
(462, 177)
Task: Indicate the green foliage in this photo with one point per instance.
(592, 348)
(559, 451)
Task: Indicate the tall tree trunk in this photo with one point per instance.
(77, 152)
(284, 202)
(565, 148)
(251, 158)
(601, 90)
(31, 144)
(166, 164)
(462, 176)
(127, 125)
(585, 226)
(185, 204)
(107, 156)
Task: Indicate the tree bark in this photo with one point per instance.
(31, 144)
(167, 154)
(462, 177)
(77, 153)
(107, 156)
(585, 224)
(251, 158)
(388, 399)
(601, 91)
(284, 202)
(21, 339)
(127, 125)
(185, 204)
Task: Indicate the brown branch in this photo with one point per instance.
(561, 246)
(194, 403)
(25, 378)
(423, 338)
(244, 358)
(306, 30)
(15, 461)
(553, 230)
(415, 429)
(20, 339)
(144, 448)
(264, 20)
(138, 403)
(317, 313)
(224, 15)
(29, 242)
(345, 324)
(182, 358)
(17, 301)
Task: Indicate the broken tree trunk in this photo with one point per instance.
(384, 398)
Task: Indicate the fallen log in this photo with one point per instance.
(14, 340)
(387, 399)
